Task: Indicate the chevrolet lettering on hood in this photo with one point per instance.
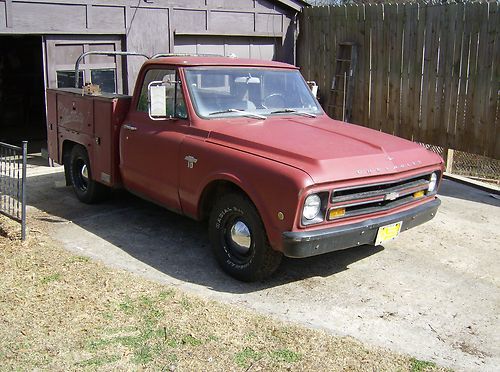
(388, 169)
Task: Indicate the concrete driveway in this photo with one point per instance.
(432, 293)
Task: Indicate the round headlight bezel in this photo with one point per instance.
(433, 182)
(312, 207)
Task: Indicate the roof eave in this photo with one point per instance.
(296, 5)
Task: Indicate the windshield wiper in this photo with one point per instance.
(283, 111)
(245, 113)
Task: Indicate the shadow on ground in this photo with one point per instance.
(170, 243)
(36, 160)
(457, 190)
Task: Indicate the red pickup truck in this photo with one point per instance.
(245, 145)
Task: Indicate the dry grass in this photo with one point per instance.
(59, 311)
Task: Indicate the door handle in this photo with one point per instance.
(129, 127)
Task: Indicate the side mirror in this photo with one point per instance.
(157, 100)
(314, 88)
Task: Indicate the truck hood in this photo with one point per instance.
(326, 149)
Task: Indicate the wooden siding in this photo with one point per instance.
(429, 73)
(155, 40)
(243, 47)
(28, 16)
(107, 17)
(241, 22)
(186, 20)
(3, 15)
(115, 17)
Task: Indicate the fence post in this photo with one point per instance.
(448, 160)
(23, 192)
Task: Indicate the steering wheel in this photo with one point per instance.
(274, 100)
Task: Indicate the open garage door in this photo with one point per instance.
(22, 101)
(241, 46)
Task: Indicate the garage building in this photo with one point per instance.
(40, 41)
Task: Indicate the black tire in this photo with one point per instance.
(86, 189)
(234, 216)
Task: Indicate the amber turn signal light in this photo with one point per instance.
(336, 213)
(419, 194)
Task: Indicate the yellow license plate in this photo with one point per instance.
(388, 232)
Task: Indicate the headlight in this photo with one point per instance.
(312, 207)
(433, 182)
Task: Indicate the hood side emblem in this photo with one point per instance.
(191, 161)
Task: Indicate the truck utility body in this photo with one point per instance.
(244, 144)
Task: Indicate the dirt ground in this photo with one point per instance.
(433, 293)
(65, 312)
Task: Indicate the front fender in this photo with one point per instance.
(273, 187)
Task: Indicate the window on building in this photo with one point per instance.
(105, 78)
(66, 79)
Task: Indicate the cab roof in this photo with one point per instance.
(216, 61)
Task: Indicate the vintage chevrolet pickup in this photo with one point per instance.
(245, 145)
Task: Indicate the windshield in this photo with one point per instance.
(251, 92)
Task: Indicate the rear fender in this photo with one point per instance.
(65, 153)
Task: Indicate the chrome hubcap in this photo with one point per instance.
(240, 237)
(85, 172)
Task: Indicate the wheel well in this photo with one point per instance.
(66, 152)
(212, 192)
(66, 149)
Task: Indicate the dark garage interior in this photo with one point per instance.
(22, 100)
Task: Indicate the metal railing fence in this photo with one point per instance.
(13, 183)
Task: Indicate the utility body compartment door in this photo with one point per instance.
(52, 133)
(76, 113)
(108, 116)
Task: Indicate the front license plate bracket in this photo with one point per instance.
(388, 232)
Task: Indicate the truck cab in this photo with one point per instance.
(245, 145)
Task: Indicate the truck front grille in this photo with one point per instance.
(372, 198)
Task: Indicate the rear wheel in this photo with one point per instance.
(86, 189)
(239, 240)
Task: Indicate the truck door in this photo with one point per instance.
(149, 149)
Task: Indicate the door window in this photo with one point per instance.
(176, 106)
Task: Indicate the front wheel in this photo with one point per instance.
(239, 240)
(86, 189)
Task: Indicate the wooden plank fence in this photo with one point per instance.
(426, 72)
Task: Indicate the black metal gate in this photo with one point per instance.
(13, 183)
